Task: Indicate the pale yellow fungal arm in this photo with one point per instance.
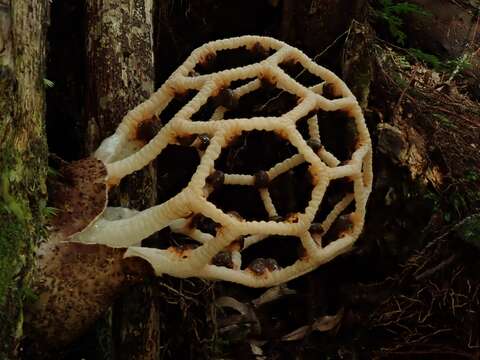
(219, 255)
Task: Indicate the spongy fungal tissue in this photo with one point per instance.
(236, 93)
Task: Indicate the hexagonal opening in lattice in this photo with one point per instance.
(239, 199)
(267, 99)
(176, 103)
(253, 151)
(291, 191)
(304, 74)
(259, 257)
(333, 219)
(219, 60)
(332, 135)
(338, 133)
(336, 190)
(171, 178)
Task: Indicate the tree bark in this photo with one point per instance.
(23, 160)
(77, 284)
(121, 75)
(315, 25)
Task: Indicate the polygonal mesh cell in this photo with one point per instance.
(296, 71)
(267, 166)
(171, 178)
(178, 101)
(291, 191)
(263, 99)
(225, 59)
(266, 147)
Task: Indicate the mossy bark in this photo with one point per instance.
(23, 157)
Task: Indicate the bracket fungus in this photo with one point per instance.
(327, 225)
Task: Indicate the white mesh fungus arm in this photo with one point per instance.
(123, 155)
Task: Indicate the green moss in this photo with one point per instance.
(13, 216)
(9, 203)
(14, 241)
(444, 121)
(469, 230)
(392, 12)
(22, 192)
(23, 153)
(11, 230)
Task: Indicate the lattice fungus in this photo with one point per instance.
(308, 164)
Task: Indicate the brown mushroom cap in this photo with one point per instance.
(75, 283)
(79, 193)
